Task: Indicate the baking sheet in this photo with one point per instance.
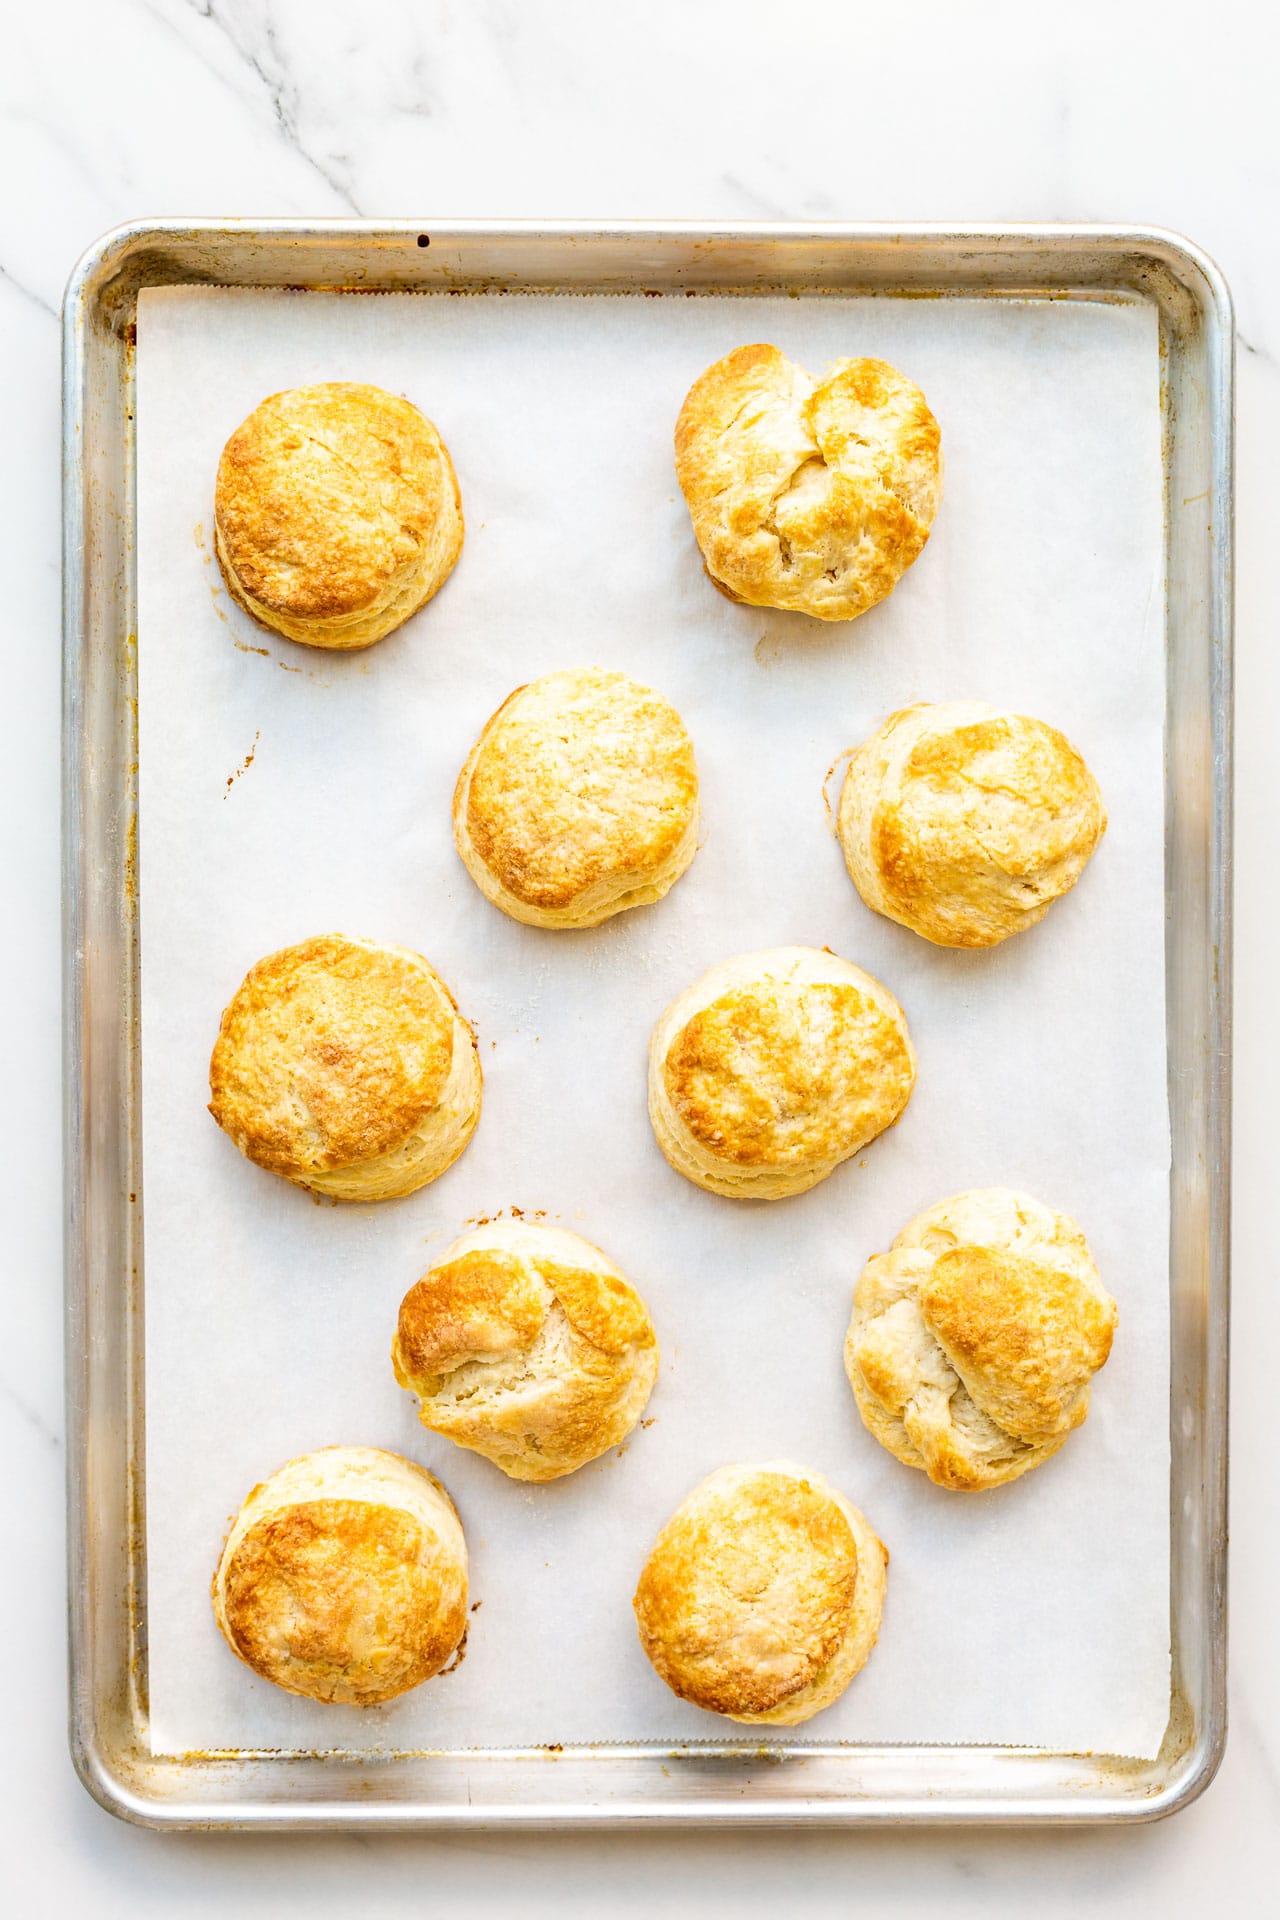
(285, 792)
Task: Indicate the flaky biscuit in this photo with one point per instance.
(526, 1344)
(965, 822)
(975, 1338)
(578, 801)
(762, 1596)
(336, 513)
(344, 1577)
(345, 1066)
(813, 495)
(773, 1068)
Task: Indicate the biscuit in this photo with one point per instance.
(813, 495)
(527, 1345)
(974, 1339)
(965, 822)
(344, 1577)
(762, 1596)
(345, 1066)
(775, 1067)
(578, 801)
(336, 513)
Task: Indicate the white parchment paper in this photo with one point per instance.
(286, 792)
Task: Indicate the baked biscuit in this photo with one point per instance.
(965, 822)
(344, 1577)
(345, 1066)
(814, 495)
(762, 1596)
(775, 1067)
(975, 1338)
(336, 513)
(527, 1345)
(579, 800)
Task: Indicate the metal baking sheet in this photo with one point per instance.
(702, 1782)
(750, 1302)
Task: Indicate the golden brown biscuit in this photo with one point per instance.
(965, 822)
(811, 495)
(579, 800)
(346, 1067)
(974, 1339)
(762, 1596)
(336, 513)
(527, 1345)
(344, 1577)
(775, 1067)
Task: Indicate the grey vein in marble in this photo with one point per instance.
(27, 293)
(31, 1415)
(1256, 352)
(758, 203)
(266, 63)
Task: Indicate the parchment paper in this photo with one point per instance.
(286, 792)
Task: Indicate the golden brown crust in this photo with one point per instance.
(599, 1305)
(338, 1058)
(483, 1304)
(336, 1566)
(973, 1341)
(774, 1068)
(761, 1597)
(528, 1346)
(774, 1075)
(813, 496)
(329, 1053)
(344, 1599)
(579, 800)
(1024, 1334)
(336, 513)
(965, 822)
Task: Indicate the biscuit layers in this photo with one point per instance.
(336, 513)
(965, 822)
(526, 1344)
(762, 1596)
(974, 1340)
(813, 495)
(345, 1066)
(344, 1577)
(579, 800)
(775, 1067)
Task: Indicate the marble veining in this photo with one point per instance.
(254, 38)
(27, 293)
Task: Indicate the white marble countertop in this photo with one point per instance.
(1153, 111)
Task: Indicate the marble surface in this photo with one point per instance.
(111, 109)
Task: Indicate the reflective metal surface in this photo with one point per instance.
(712, 1782)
